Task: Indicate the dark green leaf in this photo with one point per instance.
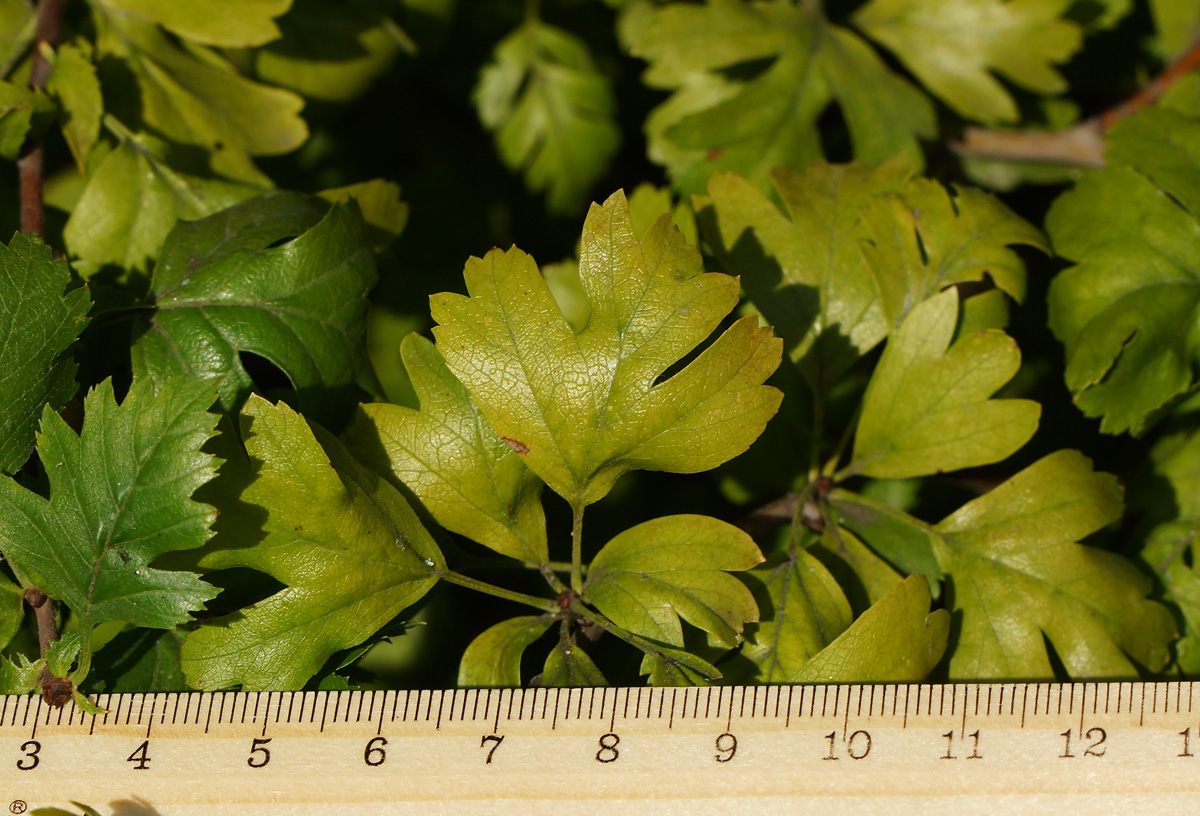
(120, 495)
(283, 276)
(1125, 312)
(38, 323)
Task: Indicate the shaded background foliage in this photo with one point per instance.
(414, 114)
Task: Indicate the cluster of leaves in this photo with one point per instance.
(229, 464)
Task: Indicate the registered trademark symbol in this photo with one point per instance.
(17, 806)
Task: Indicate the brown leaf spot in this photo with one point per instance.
(714, 154)
(518, 447)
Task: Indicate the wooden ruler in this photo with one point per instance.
(1095, 748)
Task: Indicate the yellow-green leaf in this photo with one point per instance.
(493, 658)
(348, 548)
(74, 84)
(1018, 578)
(648, 577)
(469, 479)
(583, 408)
(954, 48)
(228, 23)
(897, 640)
(928, 406)
(804, 610)
(551, 111)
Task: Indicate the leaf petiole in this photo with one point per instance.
(544, 604)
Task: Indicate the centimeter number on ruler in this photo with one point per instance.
(982, 748)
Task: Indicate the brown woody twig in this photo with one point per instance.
(29, 166)
(1081, 145)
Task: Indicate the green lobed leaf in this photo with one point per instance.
(21, 111)
(928, 406)
(222, 287)
(955, 49)
(568, 665)
(923, 239)
(581, 409)
(715, 123)
(897, 640)
(332, 49)
(1126, 311)
(1018, 579)
(493, 658)
(865, 576)
(18, 29)
(138, 661)
(1176, 23)
(120, 496)
(1170, 551)
(551, 111)
(647, 203)
(348, 548)
(12, 611)
(131, 201)
(38, 325)
(804, 267)
(382, 210)
(21, 676)
(193, 96)
(904, 541)
(651, 575)
(804, 610)
(74, 84)
(855, 250)
(229, 23)
(468, 478)
(674, 667)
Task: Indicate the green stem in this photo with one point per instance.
(843, 443)
(577, 551)
(544, 604)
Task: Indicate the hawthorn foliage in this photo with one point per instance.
(874, 358)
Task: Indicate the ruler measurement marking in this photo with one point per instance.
(33, 733)
(846, 719)
(496, 719)
(1142, 708)
(441, 701)
(671, 718)
(554, 722)
(1082, 707)
(149, 720)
